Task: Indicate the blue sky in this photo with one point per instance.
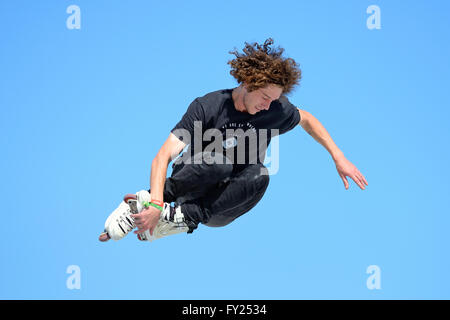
(85, 111)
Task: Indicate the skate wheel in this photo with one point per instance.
(141, 237)
(104, 236)
(129, 197)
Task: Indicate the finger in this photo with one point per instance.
(139, 231)
(358, 181)
(364, 179)
(136, 217)
(344, 179)
(142, 229)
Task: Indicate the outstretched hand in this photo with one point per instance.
(346, 169)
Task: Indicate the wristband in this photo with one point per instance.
(158, 202)
(156, 206)
(155, 203)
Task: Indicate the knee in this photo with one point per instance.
(259, 175)
(256, 179)
(218, 221)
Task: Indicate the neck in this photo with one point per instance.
(238, 99)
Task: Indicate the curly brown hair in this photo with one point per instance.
(261, 65)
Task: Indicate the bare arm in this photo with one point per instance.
(344, 167)
(314, 128)
(148, 218)
(170, 149)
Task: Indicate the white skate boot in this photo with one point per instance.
(171, 221)
(120, 222)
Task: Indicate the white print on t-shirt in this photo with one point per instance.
(232, 141)
(232, 137)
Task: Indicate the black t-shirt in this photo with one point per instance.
(231, 131)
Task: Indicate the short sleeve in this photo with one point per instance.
(194, 113)
(291, 115)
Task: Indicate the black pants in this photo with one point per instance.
(214, 194)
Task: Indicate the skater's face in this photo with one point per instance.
(259, 100)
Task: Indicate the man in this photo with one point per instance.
(221, 175)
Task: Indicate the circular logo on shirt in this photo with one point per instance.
(230, 142)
